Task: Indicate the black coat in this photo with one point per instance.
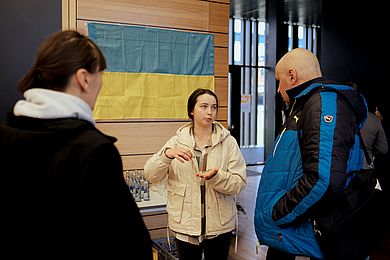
(62, 191)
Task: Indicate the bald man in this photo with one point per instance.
(295, 68)
(305, 173)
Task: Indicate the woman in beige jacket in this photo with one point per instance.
(205, 170)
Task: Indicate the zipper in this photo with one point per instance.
(284, 129)
(277, 142)
(292, 108)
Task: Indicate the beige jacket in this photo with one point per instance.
(183, 189)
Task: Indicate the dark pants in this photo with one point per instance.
(213, 249)
(275, 254)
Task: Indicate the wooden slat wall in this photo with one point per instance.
(132, 136)
(139, 139)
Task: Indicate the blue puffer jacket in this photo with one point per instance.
(306, 171)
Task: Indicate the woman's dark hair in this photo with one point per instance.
(193, 98)
(58, 57)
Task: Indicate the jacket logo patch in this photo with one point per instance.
(328, 119)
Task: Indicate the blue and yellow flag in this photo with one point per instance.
(151, 72)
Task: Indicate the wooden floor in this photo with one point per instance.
(246, 246)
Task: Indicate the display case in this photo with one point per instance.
(151, 200)
(145, 194)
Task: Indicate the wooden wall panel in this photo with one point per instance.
(72, 14)
(134, 162)
(222, 1)
(222, 113)
(156, 221)
(221, 91)
(221, 40)
(140, 138)
(219, 17)
(65, 14)
(221, 65)
(158, 233)
(180, 14)
(224, 123)
(69, 16)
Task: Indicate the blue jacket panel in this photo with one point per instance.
(306, 171)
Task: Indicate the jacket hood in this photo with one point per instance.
(185, 136)
(354, 98)
(50, 104)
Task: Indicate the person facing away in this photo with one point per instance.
(374, 137)
(205, 171)
(305, 173)
(62, 189)
(372, 132)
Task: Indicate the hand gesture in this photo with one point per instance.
(181, 153)
(207, 175)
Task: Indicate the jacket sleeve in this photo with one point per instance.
(327, 131)
(380, 145)
(156, 168)
(233, 180)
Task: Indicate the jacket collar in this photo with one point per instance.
(296, 92)
(305, 90)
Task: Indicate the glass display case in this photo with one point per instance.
(145, 194)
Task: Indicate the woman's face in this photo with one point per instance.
(205, 110)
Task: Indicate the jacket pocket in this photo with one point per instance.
(226, 208)
(176, 193)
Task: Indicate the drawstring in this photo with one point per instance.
(168, 240)
(236, 240)
(257, 247)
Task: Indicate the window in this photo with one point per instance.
(302, 36)
(249, 48)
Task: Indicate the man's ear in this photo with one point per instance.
(82, 77)
(292, 75)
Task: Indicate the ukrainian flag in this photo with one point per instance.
(151, 72)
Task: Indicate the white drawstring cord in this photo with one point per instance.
(169, 242)
(236, 240)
